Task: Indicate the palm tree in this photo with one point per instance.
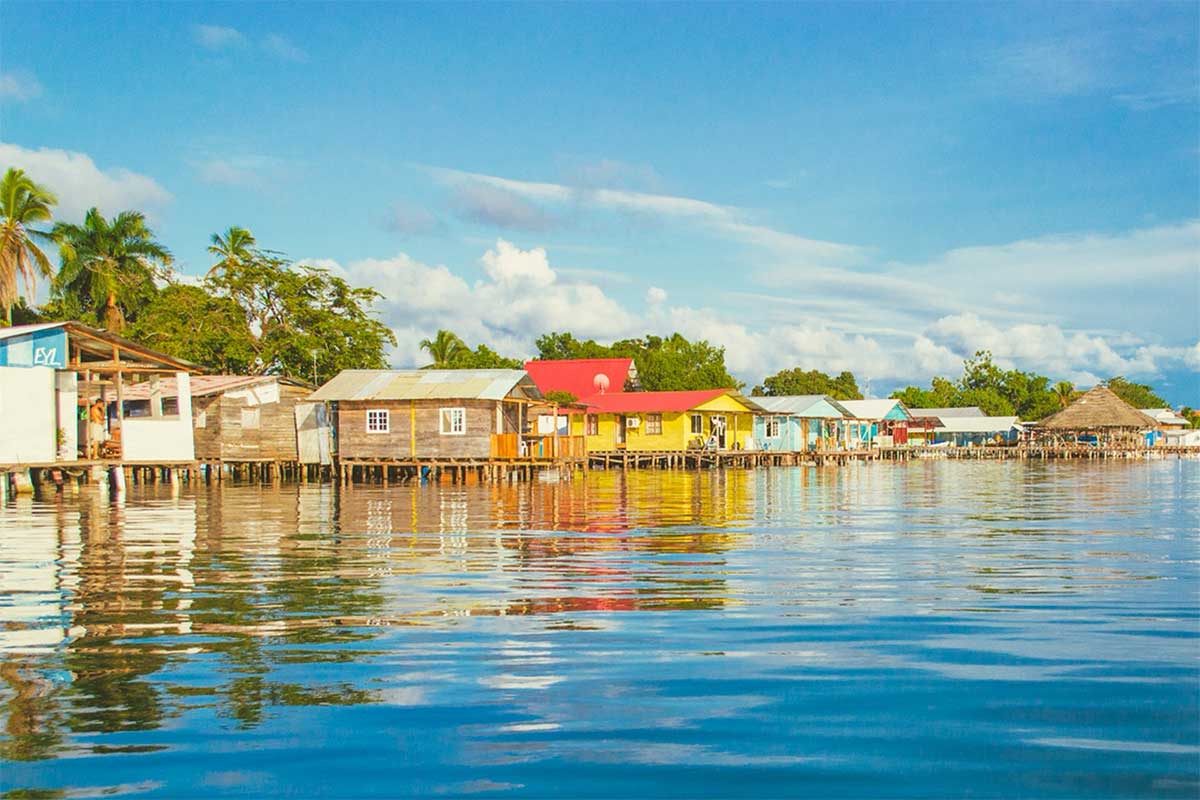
(232, 249)
(444, 348)
(22, 202)
(1064, 392)
(109, 266)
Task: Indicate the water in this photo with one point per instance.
(921, 630)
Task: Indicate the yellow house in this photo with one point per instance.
(718, 419)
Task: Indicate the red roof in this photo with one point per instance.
(580, 376)
(641, 402)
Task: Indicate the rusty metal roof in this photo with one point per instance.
(428, 384)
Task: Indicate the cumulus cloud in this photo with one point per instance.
(217, 37)
(656, 296)
(283, 48)
(520, 297)
(79, 184)
(19, 87)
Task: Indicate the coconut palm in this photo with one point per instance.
(1064, 392)
(109, 267)
(22, 203)
(444, 348)
(232, 249)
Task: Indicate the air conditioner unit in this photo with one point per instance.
(632, 422)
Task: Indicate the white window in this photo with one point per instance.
(378, 420)
(202, 419)
(653, 424)
(453, 421)
(697, 424)
(772, 427)
(250, 419)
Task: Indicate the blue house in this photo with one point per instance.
(800, 423)
(877, 421)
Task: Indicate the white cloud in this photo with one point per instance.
(283, 48)
(19, 87)
(79, 184)
(521, 297)
(217, 37)
(246, 171)
(726, 221)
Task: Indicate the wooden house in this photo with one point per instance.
(248, 418)
(877, 423)
(800, 423)
(718, 419)
(430, 414)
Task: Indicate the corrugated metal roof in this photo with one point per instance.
(426, 384)
(204, 385)
(580, 376)
(798, 405)
(869, 409)
(1164, 416)
(653, 402)
(977, 424)
(943, 413)
(25, 330)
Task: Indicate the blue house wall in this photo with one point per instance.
(44, 348)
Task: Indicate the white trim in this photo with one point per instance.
(387, 420)
(456, 411)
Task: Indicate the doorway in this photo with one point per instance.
(716, 430)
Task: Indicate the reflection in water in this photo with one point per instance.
(828, 629)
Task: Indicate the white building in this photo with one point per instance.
(52, 372)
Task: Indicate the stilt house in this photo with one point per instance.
(800, 423)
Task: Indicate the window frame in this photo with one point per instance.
(696, 429)
(591, 425)
(773, 426)
(460, 412)
(387, 420)
(654, 425)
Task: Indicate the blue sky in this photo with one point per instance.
(882, 188)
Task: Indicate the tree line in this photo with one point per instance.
(257, 312)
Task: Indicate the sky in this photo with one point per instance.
(879, 188)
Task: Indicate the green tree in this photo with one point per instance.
(798, 382)
(231, 249)
(197, 326)
(1138, 395)
(559, 346)
(22, 203)
(484, 357)
(109, 268)
(445, 349)
(1064, 392)
(673, 363)
(560, 397)
(302, 319)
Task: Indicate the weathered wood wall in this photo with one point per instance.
(224, 437)
(355, 442)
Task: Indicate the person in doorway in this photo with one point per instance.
(97, 428)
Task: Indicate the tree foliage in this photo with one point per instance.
(1138, 395)
(670, 363)
(789, 382)
(449, 351)
(110, 268)
(998, 392)
(197, 326)
(22, 204)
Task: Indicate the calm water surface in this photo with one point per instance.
(922, 630)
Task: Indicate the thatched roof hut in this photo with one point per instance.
(1099, 409)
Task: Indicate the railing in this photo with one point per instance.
(515, 446)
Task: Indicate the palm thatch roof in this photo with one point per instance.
(1099, 407)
